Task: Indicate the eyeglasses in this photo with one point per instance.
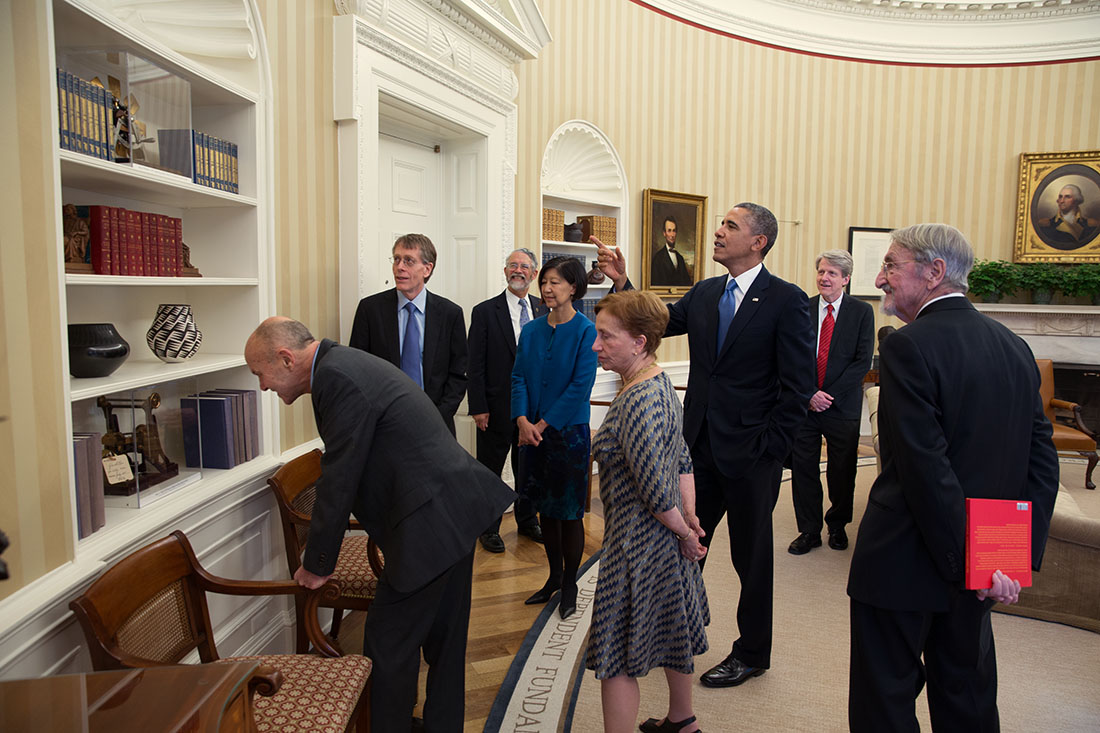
(406, 261)
(519, 266)
(890, 267)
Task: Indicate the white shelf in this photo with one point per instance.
(141, 182)
(136, 373)
(172, 282)
(608, 201)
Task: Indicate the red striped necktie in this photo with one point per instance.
(823, 344)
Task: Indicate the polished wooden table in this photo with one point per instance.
(191, 698)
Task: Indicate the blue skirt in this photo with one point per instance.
(554, 474)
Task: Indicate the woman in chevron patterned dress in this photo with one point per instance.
(650, 606)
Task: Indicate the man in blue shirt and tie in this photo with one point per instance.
(422, 333)
(494, 332)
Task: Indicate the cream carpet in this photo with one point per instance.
(1049, 673)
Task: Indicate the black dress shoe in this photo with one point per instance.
(492, 542)
(542, 595)
(533, 531)
(730, 673)
(567, 606)
(803, 543)
(838, 539)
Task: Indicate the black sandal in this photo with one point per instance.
(653, 725)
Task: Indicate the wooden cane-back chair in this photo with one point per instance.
(150, 610)
(360, 562)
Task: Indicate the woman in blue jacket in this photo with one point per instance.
(552, 381)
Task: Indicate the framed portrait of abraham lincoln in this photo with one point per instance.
(1058, 207)
(673, 230)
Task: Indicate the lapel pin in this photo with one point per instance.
(756, 300)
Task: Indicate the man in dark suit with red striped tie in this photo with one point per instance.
(845, 340)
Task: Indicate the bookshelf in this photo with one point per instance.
(228, 235)
(582, 175)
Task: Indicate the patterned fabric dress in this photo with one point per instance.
(651, 605)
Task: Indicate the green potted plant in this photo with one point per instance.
(1083, 281)
(1042, 279)
(991, 279)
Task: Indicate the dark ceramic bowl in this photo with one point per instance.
(95, 349)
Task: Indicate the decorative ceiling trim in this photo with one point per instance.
(905, 32)
(417, 61)
(483, 20)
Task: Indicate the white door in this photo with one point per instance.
(409, 195)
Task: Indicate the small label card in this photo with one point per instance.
(117, 469)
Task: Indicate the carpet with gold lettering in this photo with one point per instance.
(540, 691)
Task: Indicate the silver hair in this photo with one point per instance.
(839, 258)
(1080, 197)
(761, 221)
(929, 242)
(524, 250)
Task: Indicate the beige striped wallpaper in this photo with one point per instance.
(34, 499)
(299, 38)
(829, 143)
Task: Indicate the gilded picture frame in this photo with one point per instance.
(681, 217)
(1058, 207)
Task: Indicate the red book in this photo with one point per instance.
(177, 246)
(164, 268)
(117, 219)
(998, 537)
(99, 222)
(132, 258)
(148, 258)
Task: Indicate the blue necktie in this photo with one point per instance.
(727, 306)
(524, 316)
(410, 351)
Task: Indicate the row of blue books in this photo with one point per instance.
(220, 428)
(86, 114)
(209, 160)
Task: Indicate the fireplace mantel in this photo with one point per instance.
(1068, 334)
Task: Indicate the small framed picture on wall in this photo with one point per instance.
(673, 229)
(867, 246)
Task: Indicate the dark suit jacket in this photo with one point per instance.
(754, 394)
(959, 416)
(492, 353)
(662, 271)
(390, 461)
(374, 330)
(849, 354)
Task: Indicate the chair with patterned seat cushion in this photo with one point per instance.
(150, 610)
(360, 562)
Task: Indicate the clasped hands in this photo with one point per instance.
(530, 434)
(691, 547)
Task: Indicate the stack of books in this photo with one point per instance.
(125, 242)
(220, 428)
(88, 459)
(86, 116)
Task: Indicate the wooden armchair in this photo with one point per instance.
(360, 563)
(1068, 435)
(150, 610)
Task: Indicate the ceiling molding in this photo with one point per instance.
(906, 32)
